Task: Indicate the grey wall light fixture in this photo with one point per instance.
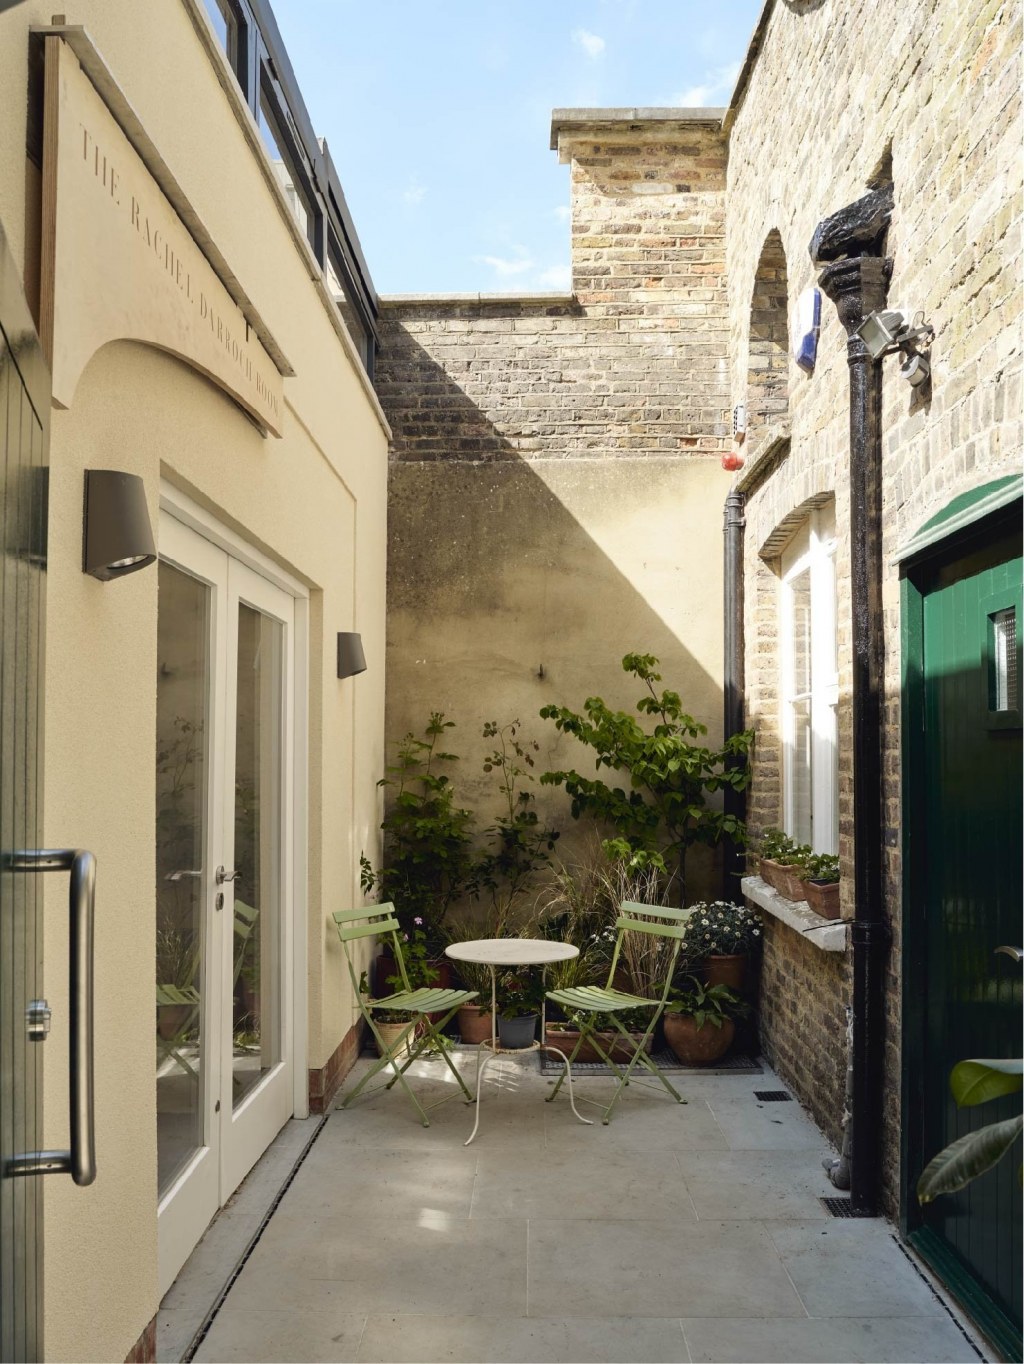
(351, 659)
(117, 537)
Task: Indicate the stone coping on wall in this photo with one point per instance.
(588, 120)
(828, 935)
(539, 298)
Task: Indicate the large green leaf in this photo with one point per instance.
(967, 1158)
(975, 1082)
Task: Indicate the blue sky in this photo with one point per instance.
(438, 117)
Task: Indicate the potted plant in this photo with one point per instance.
(520, 997)
(783, 863)
(821, 884)
(390, 1022)
(699, 1021)
(722, 935)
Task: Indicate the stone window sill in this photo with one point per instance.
(828, 935)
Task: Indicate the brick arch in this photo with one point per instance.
(768, 362)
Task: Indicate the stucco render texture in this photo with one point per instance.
(313, 503)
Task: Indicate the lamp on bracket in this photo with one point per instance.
(351, 659)
(887, 331)
(117, 537)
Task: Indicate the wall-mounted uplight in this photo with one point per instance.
(351, 659)
(117, 537)
(888, 330)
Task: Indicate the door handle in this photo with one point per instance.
(1014, 952)
(178, 875)
(80, 1161)
(222, 876)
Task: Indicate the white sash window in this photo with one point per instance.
(810, 684)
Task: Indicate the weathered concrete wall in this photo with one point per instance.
(517, 584)
(941, 115)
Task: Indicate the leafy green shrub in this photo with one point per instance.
(522, 844)
(665, 811)
(428, 860)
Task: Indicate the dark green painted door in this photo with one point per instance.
(970, 794)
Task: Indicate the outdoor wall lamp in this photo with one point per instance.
(351, 659)
(888, 330)
(117, 537)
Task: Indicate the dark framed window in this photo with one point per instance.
(250, 37)
(233, 32)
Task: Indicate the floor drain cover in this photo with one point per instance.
(773, 1096)
(841, 1207)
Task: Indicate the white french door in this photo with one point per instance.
(226, 687)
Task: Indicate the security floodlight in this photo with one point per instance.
(881, 331)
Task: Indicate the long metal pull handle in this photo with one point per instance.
(80, 1161)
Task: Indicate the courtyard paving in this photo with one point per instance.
(677, 1233)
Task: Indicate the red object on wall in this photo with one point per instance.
(732, 461)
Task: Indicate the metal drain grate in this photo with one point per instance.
(841, 1207)
(773, 1096)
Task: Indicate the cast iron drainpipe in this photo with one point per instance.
(858, 285)
(735, 680)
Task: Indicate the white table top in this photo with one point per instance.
(511, 951)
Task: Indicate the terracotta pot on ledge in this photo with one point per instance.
(823, 897)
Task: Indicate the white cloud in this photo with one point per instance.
(556, 277)
(414, 193)
(505, 267)
(591, 44)
(715, 88)
(563, 213)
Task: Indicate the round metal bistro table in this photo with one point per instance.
(504, 953)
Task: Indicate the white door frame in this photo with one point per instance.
(178, 1215)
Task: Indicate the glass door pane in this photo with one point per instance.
(183, 682)
(256, 1009)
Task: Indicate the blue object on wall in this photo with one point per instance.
(806, 325)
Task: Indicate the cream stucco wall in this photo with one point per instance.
(315, 503)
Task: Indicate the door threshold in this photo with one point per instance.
(193, 1300)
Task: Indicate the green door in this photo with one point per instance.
(964, 807)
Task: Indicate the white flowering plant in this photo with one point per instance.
(718, 928)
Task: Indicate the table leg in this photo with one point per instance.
(568, 1076)
(481, 1063)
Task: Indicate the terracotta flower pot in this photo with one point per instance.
(695, 1046)
(823, 897)
(786, 880)
(474, 1023)
(565, 1039)
(728, 970)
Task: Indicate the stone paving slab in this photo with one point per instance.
(677, 1233)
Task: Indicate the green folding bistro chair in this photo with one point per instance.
(189, 1001)
(371, 921)
(600, 1004)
